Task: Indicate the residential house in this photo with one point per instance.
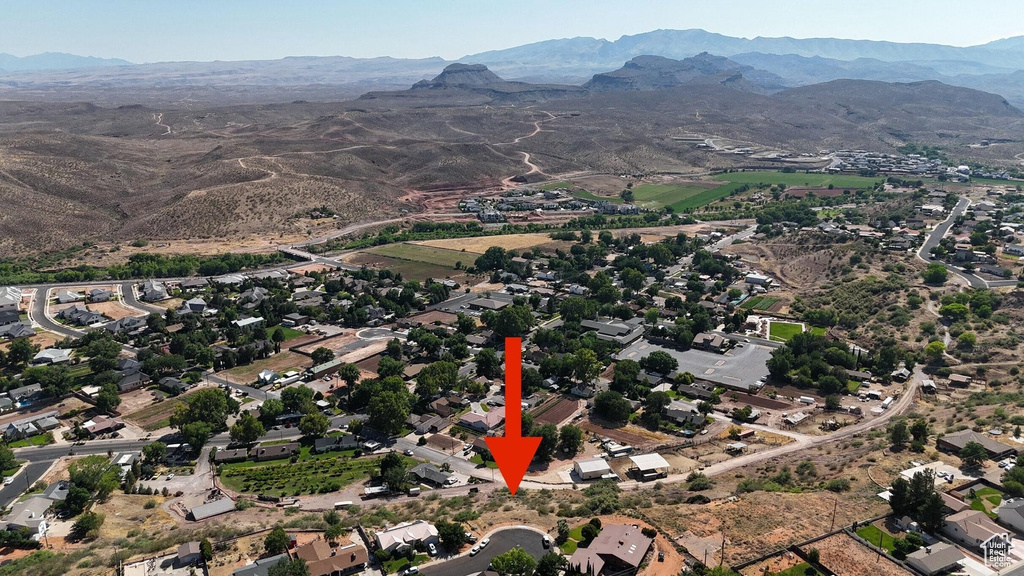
(52, 356)
(188, 554)
(174, 385)
(25, 395)
(427, 423)
(483, 422)
(16, 329)
(10, 299)
(294, 319)
(19, 431)
(323, 560)
(29, 515)
(406, 534)
(228, 455)
(617, 549)
(67, 297)
(248, 322)
(193, 283)
(333, 443)
(970, 528)
(153, 291)
(959, 380)
(964, 252)
(261, 567)
(97, 295)
(1011, 514)
(80, 315)
(431, 474)
(263, 453)
(1014, 249)
(126, 325)
(938, 558)
(956, 441)
(757, 279)
(196, 305)
(102, 425)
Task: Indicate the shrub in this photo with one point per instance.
(149, 505)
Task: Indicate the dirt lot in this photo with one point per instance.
(334, 343)
(115, 310)
(630, 434)
(847, 557)
(557, 411)
(481, 244)
(42, 339)
(279, 363)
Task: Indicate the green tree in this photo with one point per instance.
(394, 348)
(95, 474)
(247, 429)
(314, 425)
(209, 407)
(20, 352)
(585, 366)
(898, 434)
(589, 532)
(334, 531)
(570, 439)
(466, 324)
(108, 399)
(196, 434)
(389, 366)
(154, 452)
(515, 562)
(548, 441)
(205, 550)
(973, 454)
(7, 459)
(87, 526)
(936, 274)
(276, 542)
(451, 534)
(388, 411)
(563, 531)
(349, 373)
(277, 337)
(513, 321)
(437, 377)
(322, 356)
(296, 567)
(919, 430)
(270, 410)
(487, 363)
(934, 350)
(612, 407)
(659, 362)
(298, 399)
(393, 472)
(551, 564)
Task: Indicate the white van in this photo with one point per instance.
(342, 505)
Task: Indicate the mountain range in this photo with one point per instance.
(774, 63)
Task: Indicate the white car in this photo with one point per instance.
(432, 549)
(8, 480)
(409, 452)
(170, 476)
(413, 570)
(484, 543)
(475, 550)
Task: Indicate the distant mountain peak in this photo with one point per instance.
(649, 72)
(55, 61)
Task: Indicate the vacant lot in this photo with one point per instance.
(114, 310)
(410, 270)
(279, 363)
(156, 416)
(480, 244)
(555, 412)
(847, 557)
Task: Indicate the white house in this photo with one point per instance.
(10, 299)
(406, 534)
(593, 469)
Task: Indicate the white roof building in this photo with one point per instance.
(52, 356)
(10, 298)
(591, 469)
(405, 534)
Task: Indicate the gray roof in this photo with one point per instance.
(260, 567)
(430, 472)
(935, 558)
(214, 508)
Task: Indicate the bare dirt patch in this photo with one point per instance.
(280, 362)
(480, 244)
(847, 557)
(115, 310)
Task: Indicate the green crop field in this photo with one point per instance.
(783, 331)
(799, 179)
(312, 474)
(759, 303)
(425, 254)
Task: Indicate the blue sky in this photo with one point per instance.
(161, 30)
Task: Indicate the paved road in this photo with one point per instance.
(501, 541)
(23, 480)
(939, 232)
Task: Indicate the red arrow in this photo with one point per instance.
(513, 452)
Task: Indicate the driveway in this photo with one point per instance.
(501, 541)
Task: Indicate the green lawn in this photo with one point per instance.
(397, 565)
(818, 330)
(986, 499)
(841, 181)
(12, 471)
(426, 254)
(38, 440)
(871, 533)
(852, 386)
(289, 333)
(783, 331)
(569, 547)
(801, 569)
(477, 459)
(420, 271)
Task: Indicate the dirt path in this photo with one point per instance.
(158, 118)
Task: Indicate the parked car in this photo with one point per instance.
(170, 476)
(431, 549)
(8, 480)
(546, 541)
(484, 543)
(475, 550)
(470, 537)
(412, 570)
(661, 556)
(408, 452)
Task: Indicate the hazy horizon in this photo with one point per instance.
(190, 30)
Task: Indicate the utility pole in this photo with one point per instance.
(721, 558)
(835, 506)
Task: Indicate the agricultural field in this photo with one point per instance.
(409, 269)
(798, 179)
(418, 253)
(759, 303)
(312, 474)
(783, 331)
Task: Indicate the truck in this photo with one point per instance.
(414, 491)
(374, 491)
(887, 402)
(806, 400)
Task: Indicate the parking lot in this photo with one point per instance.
(740, 368)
